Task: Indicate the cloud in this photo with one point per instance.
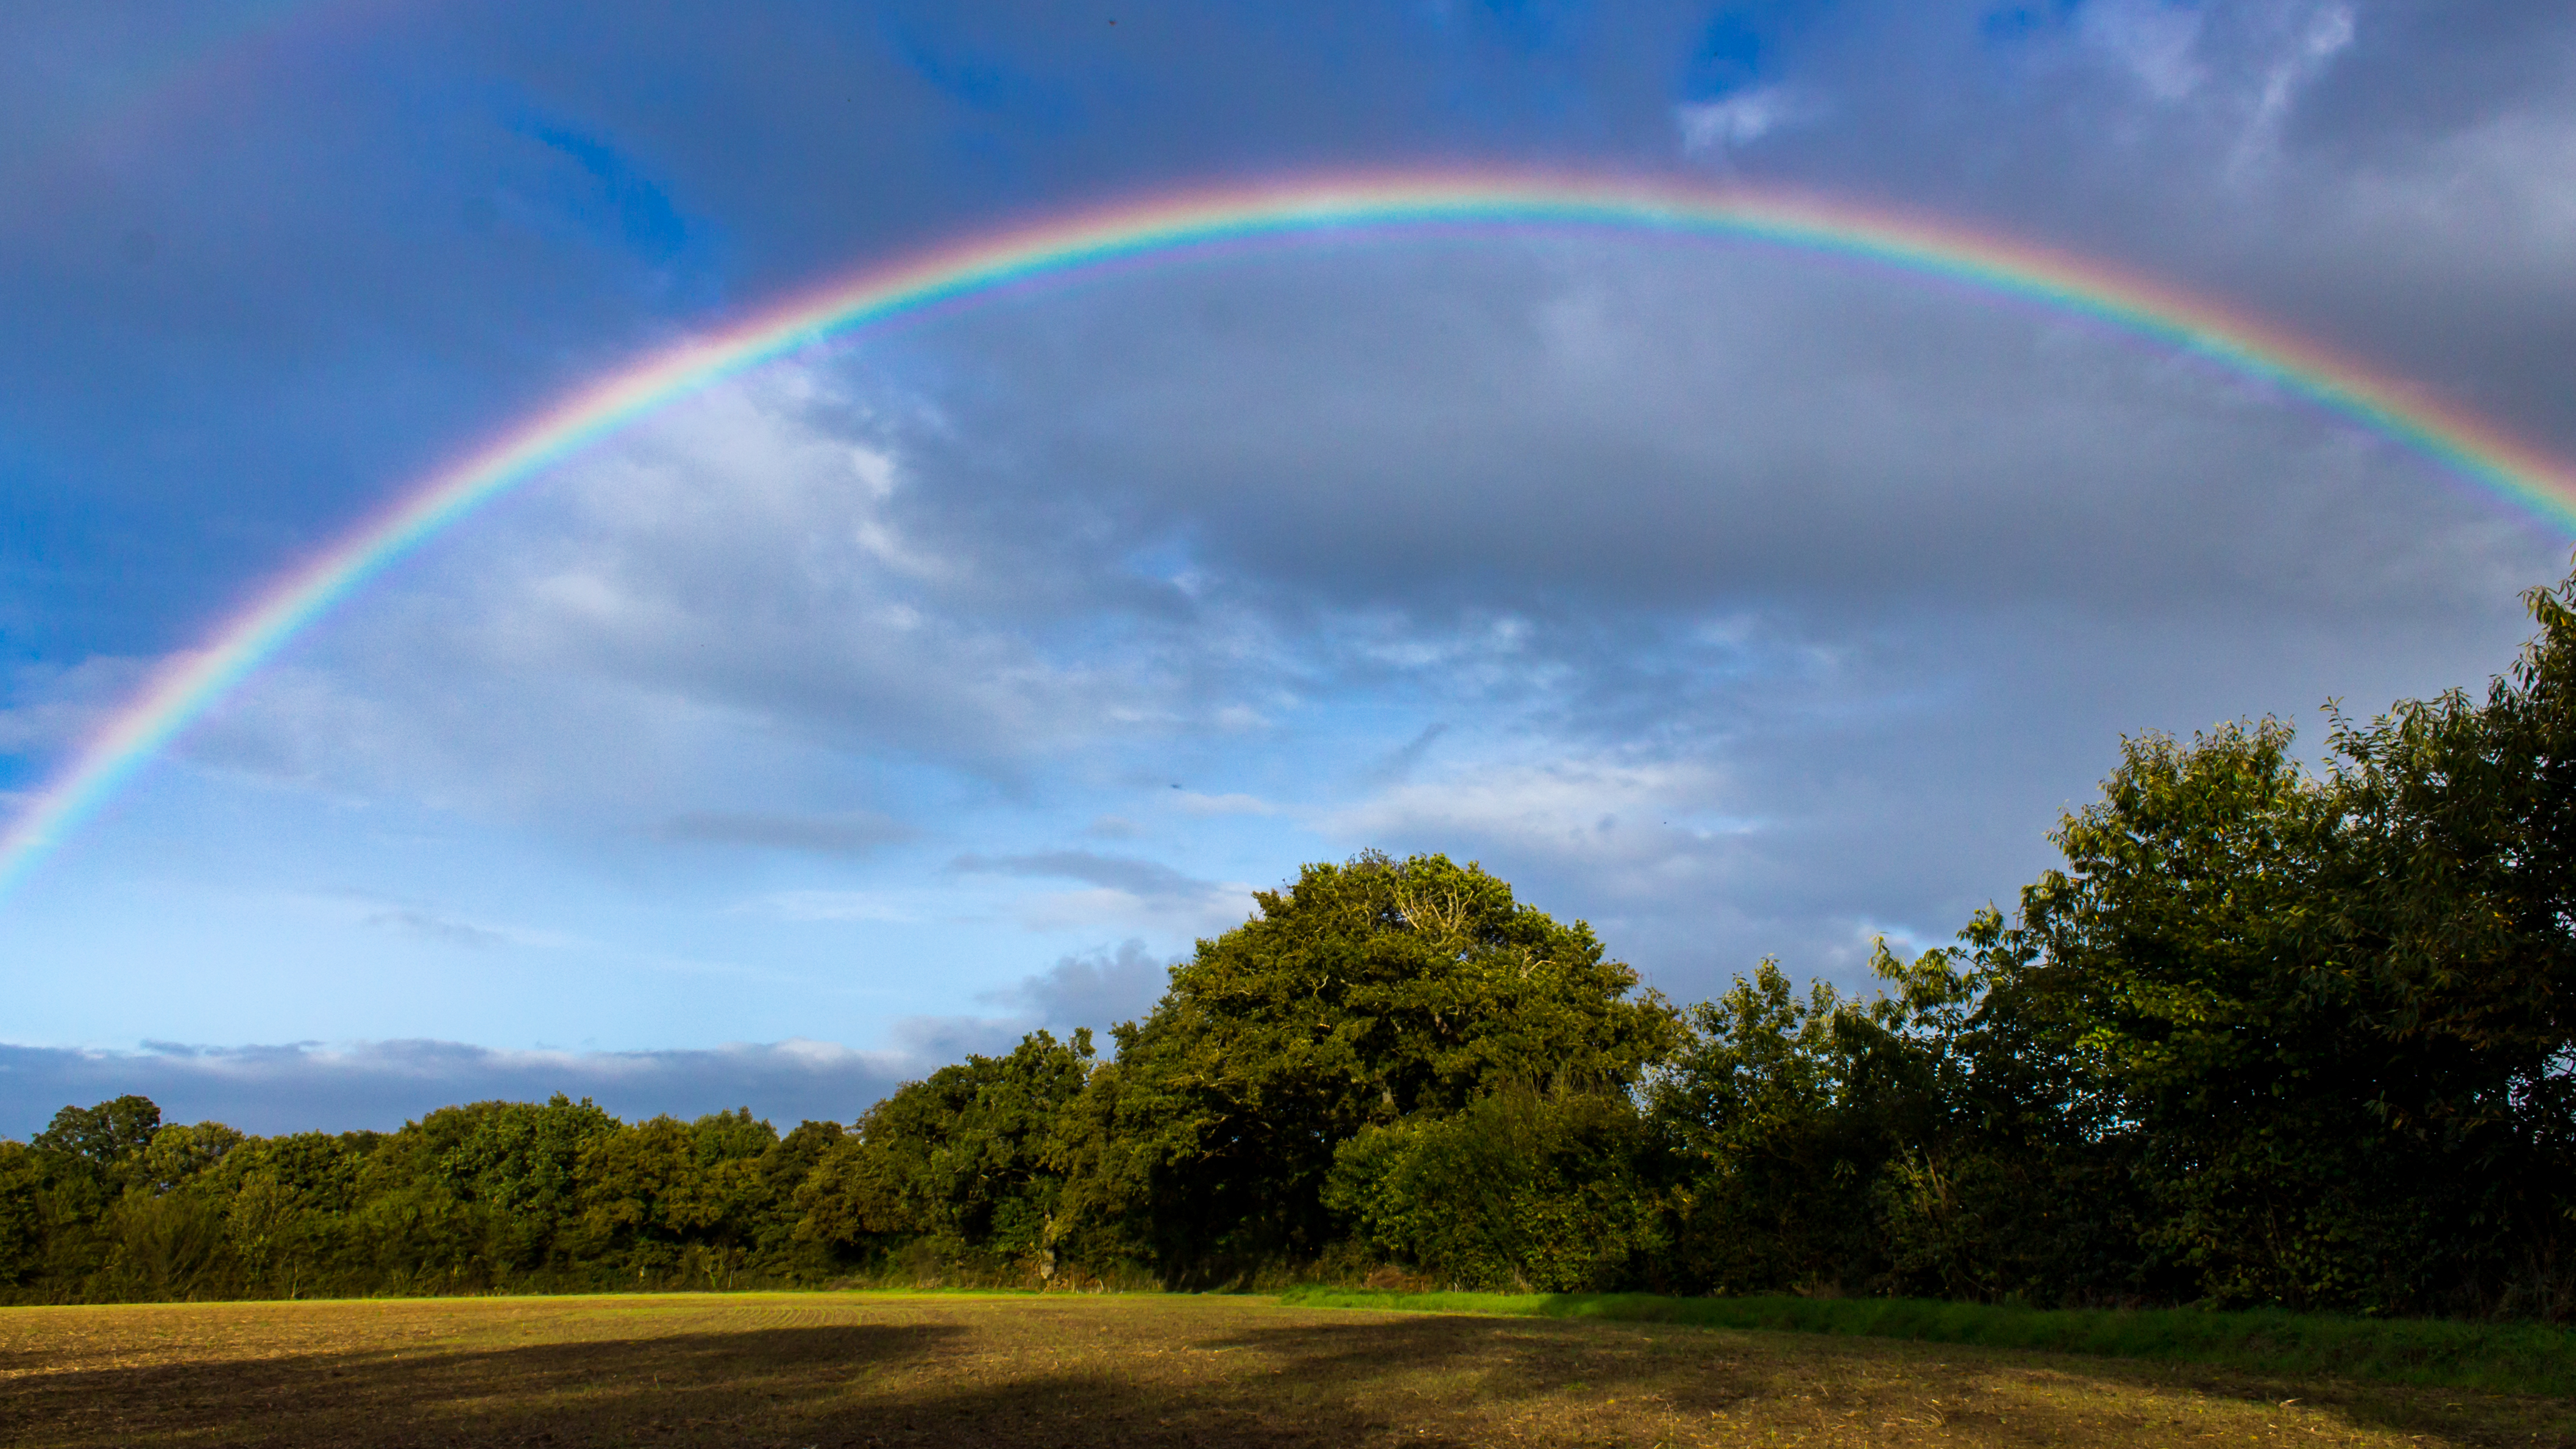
(1096, 990)
(1400, 763)
(1125, 890)
(51, 709)
(1879, 567)
(1607, 812)
(2328, 33)
(304, 1086)
(1145, 879)
(1191, 802)
(1732, 122)
(1689, 562)
(430, 926)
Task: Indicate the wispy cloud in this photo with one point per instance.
(1145, 879)
(1125, 889)
(1731, 122)
(1191, 802)
(429, 926)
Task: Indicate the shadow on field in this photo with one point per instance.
(1013, 1375)
(660, 1389)
(1067, 1381)
(1697, 1374)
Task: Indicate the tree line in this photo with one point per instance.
(2268, 1035)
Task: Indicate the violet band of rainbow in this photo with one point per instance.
(1179, 225)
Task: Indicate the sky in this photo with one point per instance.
(949, 678)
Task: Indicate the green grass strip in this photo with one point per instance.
(2516, 1358)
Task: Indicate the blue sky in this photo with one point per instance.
(951, 679)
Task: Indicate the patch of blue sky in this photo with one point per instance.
(1735, 51)
(975, 74)
(641, 214)
(568, 185)
(360, 920)
(1172, 559)
(2018, 22)
(1531, 26)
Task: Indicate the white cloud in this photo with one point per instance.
(51, 709)
(1191, 802)
(2327, 33)
(1738, 120)
(1124, 891)
(1598, 811)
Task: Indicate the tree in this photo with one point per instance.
(107, 1137)
(2321, 1024)
(1520, 1189)
(22, 1219)
(517, 1166)
(1362, 994)
(965, 1159)
(1756, 1108)
(667, 1198)
(2455, 904)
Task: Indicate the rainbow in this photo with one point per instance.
(186, 685)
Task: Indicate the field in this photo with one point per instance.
(866, 1369)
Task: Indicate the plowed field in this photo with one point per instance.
(876, 1369)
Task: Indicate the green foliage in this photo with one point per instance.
(22, 1218)
(492, 1196)
(688, 1201)
(966, 1162)
(1518, 1189)
(1361, 995)
(106, 1138)
(1758, 1105)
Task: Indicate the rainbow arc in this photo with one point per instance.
(1176, 226)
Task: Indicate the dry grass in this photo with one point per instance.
(855, 1369)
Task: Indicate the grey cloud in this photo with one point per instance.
(430, 926)
(1903, 564)
(1900, 564)
(302, 1086)
(1590, 426)
(1399, 764)
(305, 1086)
(1144, 879)
(1097, 991)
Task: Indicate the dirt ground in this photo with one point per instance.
(792, 1370)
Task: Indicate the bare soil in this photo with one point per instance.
(792, 1370)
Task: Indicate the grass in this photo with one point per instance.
(822, 1369)
(2520, 1358)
